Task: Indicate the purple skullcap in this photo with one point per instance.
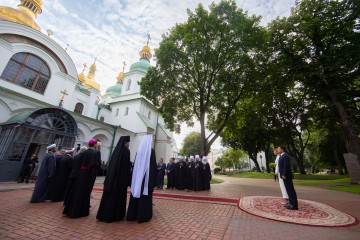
(92, 141)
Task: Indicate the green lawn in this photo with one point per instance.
(352, 188)
(216, 181)
(325, 182)
(329, 181)
(265, 175)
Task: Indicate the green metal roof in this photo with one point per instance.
(21, 117)
(114, 90)
(146, 121)
(167, 132)
(141, 65)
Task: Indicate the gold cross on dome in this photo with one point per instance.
(124, 64)
(63, 94)
(85, 66)
(148, 35)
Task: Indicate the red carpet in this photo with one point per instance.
(310, 213)
(190, 198)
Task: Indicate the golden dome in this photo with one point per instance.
(145, 52)
(81, 78)
(25, 13)
(90, 78)
(120, 77)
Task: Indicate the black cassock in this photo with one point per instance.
(198, 176)
(64, 166)
(44, 179)
(180, 175)
(72, 177)
(189, 175)
(78, 202)
(141, 209)
(113, 202)
(207, 176)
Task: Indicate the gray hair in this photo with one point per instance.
(83, 149)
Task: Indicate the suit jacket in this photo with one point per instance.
(285, 166)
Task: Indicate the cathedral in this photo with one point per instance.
(44, 100)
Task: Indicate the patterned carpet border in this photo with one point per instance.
(310, 213)
(190, 198)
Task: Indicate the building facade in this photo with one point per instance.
(44, 100)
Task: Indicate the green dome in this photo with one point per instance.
(141, 65)
(114, 90)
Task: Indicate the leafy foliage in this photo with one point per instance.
(204, 66)
(191, 145)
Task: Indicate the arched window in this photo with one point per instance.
(102, 119)
(79, 107)
(27, 70)
(128, 85)
(117, 112)
(126, 111)
(149, 115)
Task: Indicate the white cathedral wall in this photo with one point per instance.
(135, 78)
(58, 81)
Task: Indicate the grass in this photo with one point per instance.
(265, 175)
(322, 182)
(328, 181)
(352, 189)
(216, 181)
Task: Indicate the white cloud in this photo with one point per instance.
(115, 30)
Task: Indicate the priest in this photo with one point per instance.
(63, 169)
(180, 174)
(143, 181)
(45, 177)
(113, 202)
(78, 203)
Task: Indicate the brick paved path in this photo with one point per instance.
(172, 219)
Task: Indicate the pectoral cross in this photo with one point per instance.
(147, 44)
(124, 64)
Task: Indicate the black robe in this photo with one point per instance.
(198, 176)
(189, 175)
(113, 201)
(207, 176)
(180, 175)
(63, 168)
(44, 179)
(72, 177)
(78, 203)
(141, 209)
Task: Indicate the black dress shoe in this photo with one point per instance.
(292, 207)
(287, 205)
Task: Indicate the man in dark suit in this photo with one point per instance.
(287, 176)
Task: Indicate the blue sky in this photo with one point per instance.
(114, 31)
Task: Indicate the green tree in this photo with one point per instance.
(204, 66)
(319, 46)
(191, 144)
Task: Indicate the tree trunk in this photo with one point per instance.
(203, 137)
(256, 165)
(335, 154)
(351, 139)
(267, 158)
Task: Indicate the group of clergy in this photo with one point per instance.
(71, 179)
(190, 173)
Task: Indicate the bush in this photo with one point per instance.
(217, 170)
